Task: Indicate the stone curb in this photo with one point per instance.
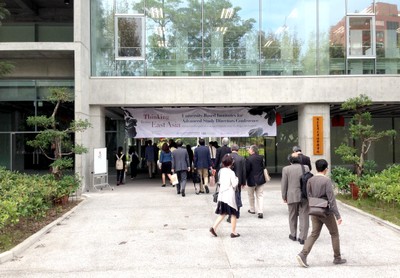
(388, 224)
(17, 250)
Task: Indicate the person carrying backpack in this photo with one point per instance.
(120, 165)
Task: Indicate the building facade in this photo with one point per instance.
(301, 59)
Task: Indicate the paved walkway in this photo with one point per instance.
(142, 230)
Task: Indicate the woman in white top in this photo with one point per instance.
(226, 198)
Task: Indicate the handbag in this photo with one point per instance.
(174, 179)
(215, 195)
(317, 206)
(238, 199)
(266, 175)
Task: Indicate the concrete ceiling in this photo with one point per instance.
(39, 11)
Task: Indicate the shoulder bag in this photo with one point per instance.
(317, 206)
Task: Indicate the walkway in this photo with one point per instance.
(143, 230)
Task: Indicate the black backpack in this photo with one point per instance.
(303, 181)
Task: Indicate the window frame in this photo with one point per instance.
(143, 34)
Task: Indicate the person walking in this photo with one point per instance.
(221, 152)
(181, 166)
(120, 165)
(239, 167)
(213, 152)
(166, 163)
(304, 160)
(226, 204)
(191, 154)
(149, 156)
(156, 158)
(255, 181)
(291, 195)
(134, 162)
(320, 186)
(202, 163)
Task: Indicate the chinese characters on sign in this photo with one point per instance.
(318, 135)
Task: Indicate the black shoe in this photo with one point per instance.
(252, 212)
(183, 193)
(178, 192)
(213, 231)
(260, 215)
(233, 235)
(202, 192)
(163, 185)
(207, 190)
(292, 237)
(228, 219)
(301, 241)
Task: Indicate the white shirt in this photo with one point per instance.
(228, 183)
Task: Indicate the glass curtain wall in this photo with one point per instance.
(244, 37)
(19, 100)
(288, 37)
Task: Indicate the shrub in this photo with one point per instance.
(384, 186)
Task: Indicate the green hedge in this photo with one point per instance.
(29, 196)
(384, 186)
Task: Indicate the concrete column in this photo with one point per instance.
(305, 126)
(96, 136)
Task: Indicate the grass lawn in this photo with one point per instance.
(387, 211)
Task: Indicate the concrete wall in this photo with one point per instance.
(46, 68)
(241, 91)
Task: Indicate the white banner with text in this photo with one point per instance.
(199, 122)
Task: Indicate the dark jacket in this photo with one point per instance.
(220, 154)
(202, 157)
(255, 170)
(239, 167)
(305, 160)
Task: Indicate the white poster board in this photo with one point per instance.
(100, 161)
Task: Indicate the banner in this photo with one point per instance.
(199, 122)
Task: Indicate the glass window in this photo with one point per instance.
(332, 37)
(361, 36)
(231, 41)
(129, 39)
(288, 38)
(173, 38)
(387, 37)
(361, 66)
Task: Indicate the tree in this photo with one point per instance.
(361, 130)
(55, 142)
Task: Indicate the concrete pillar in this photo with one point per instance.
(305, 126)
(97, 137)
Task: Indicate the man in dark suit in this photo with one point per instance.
(221, 152)
(304, 160)
(239, 167)
(255, 181)
(181, 166)
(202, 163)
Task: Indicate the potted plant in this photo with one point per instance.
(65, 186)
(361, 131)
(343, 178)
(54, 141)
